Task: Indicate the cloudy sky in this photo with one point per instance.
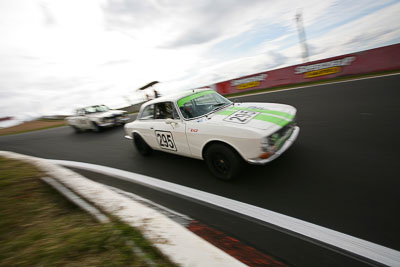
(58, 55)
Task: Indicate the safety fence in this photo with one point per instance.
(369, 61)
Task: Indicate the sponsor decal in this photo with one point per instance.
(324, 68)
(166, 140)
(322, 72)
(194, 130)
(249, 82)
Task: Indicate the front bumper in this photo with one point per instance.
(284, 147)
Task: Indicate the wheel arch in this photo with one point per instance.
(136, 133)
(212, 142)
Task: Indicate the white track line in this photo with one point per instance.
(346, 242)
(311, 85)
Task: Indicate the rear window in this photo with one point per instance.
(147, 113)
(165, 110)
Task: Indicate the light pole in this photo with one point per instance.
(302, 35)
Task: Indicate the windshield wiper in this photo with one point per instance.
(219, 105)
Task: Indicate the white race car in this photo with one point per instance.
(96, 118)
(202, 124)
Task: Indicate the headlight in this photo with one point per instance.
(274, 141)
(265, 145)
(268, 142)
(273, 138)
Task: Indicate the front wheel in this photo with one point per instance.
(223, 161)
(141, 145)
(76, 129)
(96, 128)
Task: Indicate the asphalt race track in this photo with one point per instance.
(342, 173)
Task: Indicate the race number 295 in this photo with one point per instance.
(165, 140)
(241, 116)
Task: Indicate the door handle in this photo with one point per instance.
(151, 128)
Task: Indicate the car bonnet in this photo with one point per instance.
(105, 114)
(261, 116)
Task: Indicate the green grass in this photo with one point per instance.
(39, 227)
(31, 130)
(31, 126)
(337, 79)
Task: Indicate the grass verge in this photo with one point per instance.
(39, 227)
(32, 126)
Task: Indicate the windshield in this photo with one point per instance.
(94, 109)
(102, 108)
(201, 103)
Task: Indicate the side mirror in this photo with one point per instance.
(170, 121)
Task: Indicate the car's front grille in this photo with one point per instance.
(112, 117)
(281, 133)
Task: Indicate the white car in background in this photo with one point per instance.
(204, 125)
(96, 118)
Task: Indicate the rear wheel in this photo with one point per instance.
(223, 161)
(141, 145)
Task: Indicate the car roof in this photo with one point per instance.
(93, 106)
(174, 97)
(89, 107)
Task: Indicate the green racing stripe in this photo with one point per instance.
(275, 120)
(226, 112)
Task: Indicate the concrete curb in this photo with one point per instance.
(173, 240)
(76, 200)
(95, 213)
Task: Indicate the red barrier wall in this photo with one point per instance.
(374, 60)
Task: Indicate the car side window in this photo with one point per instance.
(165, 110)
(187, 110)
(147, 113)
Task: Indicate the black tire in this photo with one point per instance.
(141, 145)
(96, 128)
(223, 161)
(76, 129)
